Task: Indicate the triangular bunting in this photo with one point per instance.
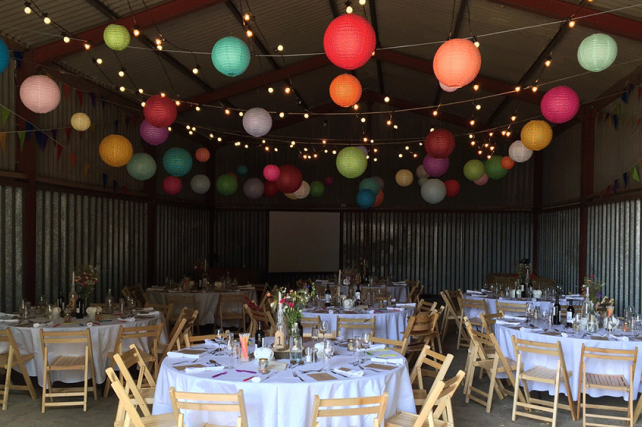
(615, 121)
(3, 141)
(54, 133)
(68, 133)
(625, 178)
(58, 150)
(92, 96)
(625, 97)
(21, 137)
(618, 110)
(80, 96)
(5, 114)
(72, 158)
(41, 139)
(86, 168)
(29, 127)
(104, 180)
(65, 90)
(634, 174)
(17, 55)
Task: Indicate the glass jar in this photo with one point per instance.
(263, 366)
(296, 345)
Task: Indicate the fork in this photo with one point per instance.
(297, 376)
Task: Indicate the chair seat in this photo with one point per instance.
(162, 420)
(613, 382)
(540, 372)
(406, 419)
(4, 358)
(67, 362)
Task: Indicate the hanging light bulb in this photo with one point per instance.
(197, 108)
(27, 8)
(434, 113)
(142, 104)
(472, 122)
(306, 116)
(240, 113)
(534, 88)
(281, 114)
(87, 46)
(472, 143)
(122, 88)
(46, 19)
(140, 90)
(386, 99)
(121, 73)
(66, 39)
(136, 31)
(476, 87)
(246, 17)
(287, 90)
(548, 61)
(478, 107)
(280, 48)
(99, 61)
(178, 103)
(571, 24)
(363, 119)
(249, 33)
(196, 69)
(355, 106)
(227, 111)
(349, 7)
(512, 118)
(270, 90)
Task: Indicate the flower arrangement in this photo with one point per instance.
(85, 279)
(592, 288)
(200, 268)
(293, 302)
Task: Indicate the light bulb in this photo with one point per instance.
(280, 48)
(547, 63)
(363, 119)
(432, 129)
(178, 103)
(270, 90)
(142, 104)
(194, 128)
(159, 47)
(287, 90)
(389, 122)
(512, 119)
(349, 9)
(407, 148)
(195, 70)
(211, 135)
(99, 61)
(355, 106)
(476, 87)
(188, 127)
(227, 111)
(365, 139)
(136, 31)
(334, 151)
(276, 149)
(281, 114)
(140, 91)
(396, 127)
(158, 41)
(478, 107)
(472, 123)
(306, 116)
(66, 39)
(87, 46)
(517, 88)
(122, 88)
(247, 146)
(362, 2)
(219, 139)
(28, 8)
(46, 19)
(434, 113)
(267, 148)
(571, 24)
(246, 16)
(386, 99)
(121, 73)
(479, 152)
(400, 155)
(375, 150)
(240, 113)
(249, 33)
(534, 88)
(197, 108)
(472, 143)
(191, 133)
(374, 160)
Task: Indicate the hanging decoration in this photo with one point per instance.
(40, 94)
(345, 90)
(403, 178)
(200, 184)
(518, 152)
(5, 56)
(153, 135)
(366, 199)
(447, 88)
(433, 191)
(379, 181)
(271, 172)
(507, 163)
(290, 179)
(351, 162)
(202, 154)
(482, 181)
(597, 52)
(349, 41)
(226, 184)
(257, 122)
(253, 188)
(493, 168)
(369, 184)
(303, 191)
(241, 170)
(115, 150)
(421, 172)
(423, 179)
(116, 37)
(457, 63)
(536, 135)
(560, 104)
(172, 185)
(436, 167)
(80, 122)
(316, 189)
(452, 187)
(177, 161)
(378, 199)
(473, 169)
(440, 143)
(160, 111)
(231, 56)
(142, 166)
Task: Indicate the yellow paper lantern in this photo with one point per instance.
(116, 150)
(536, 135)
(80, 121)
(404, 177)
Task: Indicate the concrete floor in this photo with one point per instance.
(23, 411)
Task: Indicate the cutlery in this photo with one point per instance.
(218, 375)
(312, 370)
(56, 325)
(339, 373)
(365, 367)
(249, 378)
(214, 362)
(296, 376)
(247, 372)
(268, 376)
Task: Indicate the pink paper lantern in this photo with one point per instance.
(456, 63)
(160, 111)
(560, 104)
(151, 134)
(40, 94)
(271, 172)
(172, 185)
(436, 167)
(328, 181)
(482, 181)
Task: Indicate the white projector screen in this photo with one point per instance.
(304, 242)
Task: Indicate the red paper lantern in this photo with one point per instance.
(456, 63)
(202, 154)
(440, 143)
(378, 199)
(270, 189)
(172, 185)
(507, 163)
(560, 104)
(452, 187)
(349, 41)
(345, 90)
(290, 179)
(160, 111)
(271, 172)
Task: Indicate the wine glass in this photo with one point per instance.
(220, 336)
(314, 334)
(545, 316)
(325, 327)
(328, 349)
(529, 311)
(366, 338)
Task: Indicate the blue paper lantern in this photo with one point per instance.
(142, 166)
(177, 162)
(231, 56)
(366, 198)
(369, 184)
(241, 170)
(4, 56)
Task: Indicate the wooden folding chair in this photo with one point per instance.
(451, 312)
(511, 308)
(209, 402)
(425, 416)
(10, 359)
(166, 310)
(261, 291)
(134, 390)
(357, 406)
(425, 330)
(414, 291)
(146, 419)
(610, 382)
(399, 346)
(301, 283)
(475, 306)
(265, 317)
(180, 302)
(138, 293)
(444, 409)
(174, 342)
(541, 374)
(67, 363)
(358, 324)
(189, 341)
(426, 306)
(151, 334)
(309, 323)
(230, 307)
(488, 321)
(429, 364)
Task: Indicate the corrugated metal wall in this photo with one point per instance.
(182, 237)
(7, 98)
(73, 229)
(558, 255)
(11, 247)
(241, 238)
(614, 253)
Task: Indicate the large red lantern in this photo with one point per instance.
(160, 111)
(270, 189)
(349, 41)
(172, 185)
(440, 143)
(457, 63)
(290, 179)
(452, 187)
(345, 90)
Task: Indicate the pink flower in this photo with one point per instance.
(591, 276)
(291, 305)
(282, 301)
(269, 295)
(291, 290)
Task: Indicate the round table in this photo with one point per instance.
(103, 339)
(389, 323)
(491, 304)
(397, 290)
(281, 399)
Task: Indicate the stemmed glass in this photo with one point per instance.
(529, 311)
(325, 327)
(220, 336)
(546, 317)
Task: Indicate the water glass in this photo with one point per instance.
(366, 338)
(314, 334)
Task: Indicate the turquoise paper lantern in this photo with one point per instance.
(366, 198)
(142, 166)
(226, 184)
(317, 189)
(116, 37)
(370, 184)
(241, 170)
(494, 168)
(4, 56)
(231, 56)
(177, 162)
(597, 52)
(351, 162)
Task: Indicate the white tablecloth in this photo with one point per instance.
(103, 339)
(206, 302)
(491, 305)
(398, 292)
(572, 348)
(283, 400)
(389, 324)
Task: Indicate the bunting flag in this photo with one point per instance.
(86, 168)
(41, 139)
(615, 121)
(637, 125)
(17, 55)
(92, 96)
(104, 180)
(29, 128)
(606, 116)
(80, 96)
(5, 114)
(625, 97)
(634, 174)
(58, 151)
(115, 186)
(68, 133)
(54, 133)
(615, 186)
(3, 141)
(65, 89)
(73, 158)
(124, 190)
(625, 178)
(618, 110)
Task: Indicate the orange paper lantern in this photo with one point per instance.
(457, 63)
(536, 135)
(345, 90)
(507, 163)
(115, 150)
(202, 154)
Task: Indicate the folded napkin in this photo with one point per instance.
(393, 360)
(210, 342)
(263, 353)
(349, 372)
(564, 335)
(620, 338)
(147, 309)
(204, 368)
(183, 355)
(9, 320)
(506, 322)
(374, 347)
(38, 325)
(152, 313)
(522, 329)
(331, 311)
(406, 304)
(516, 318)
(127, 319)
(473, 292)
(370, 311)
(399, 283)
(396, 308)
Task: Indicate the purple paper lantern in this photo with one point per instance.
(436, 167)
(560, 104)
(151, 134)
(328, 181)
(482, 181)
(271, 172)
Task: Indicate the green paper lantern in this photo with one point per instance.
(116, 37)
(177, 161)
(226, 184)
(142, 166)
(473, 169)
(231, 56)
(317, 189)
(597, 52)
(494, 169)
(369, 184)
(351, 162)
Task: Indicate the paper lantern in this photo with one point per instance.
(519, 153)
(160, 111)
(379, 181)
(507, 163)
(290, 196)
(403, 178)
(241, 170)
(5, 56)
(177, 161)
(233, 175)
(226, 184)
(493, 168)
(290, 179)
(142, 166)
(366, 199)
(257, 122)
(345, 90)
(202, 154)
(253, 188)
(116, 37)
(433, 191)
(447, 88)
(200, 184)
(560, 104)
(423, 179)
(303, 191)
(271, 172)
(351, 162)
(440, 143)
(172, 185)
(349, 41)
(40, 94)
(270, 189)
(482, 181)
(536, 135)
(328, 181)
(452, 188)
(473, 169)
(231, 56)
(456, 63)
(115, 150)
(597, 52)
(421, 171)
(316, 189)
(369, 184)
(378, 199)
(80, 122)
(436, 167)
(153, 135)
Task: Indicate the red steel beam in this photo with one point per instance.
(557, 9)
(168, 11)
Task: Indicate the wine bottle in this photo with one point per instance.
(570, 314)
(60, 302)
(80, 308)
(328, 295)
(357, 294)
(258, 338)
(557, 311)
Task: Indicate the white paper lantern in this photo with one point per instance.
(433, 191)
(257, 122)
(303, 191)
(447, 88)
(253, 188)
(518, 152)
(421, 171)
(200, 184)
(80, 122)
(40, 94)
